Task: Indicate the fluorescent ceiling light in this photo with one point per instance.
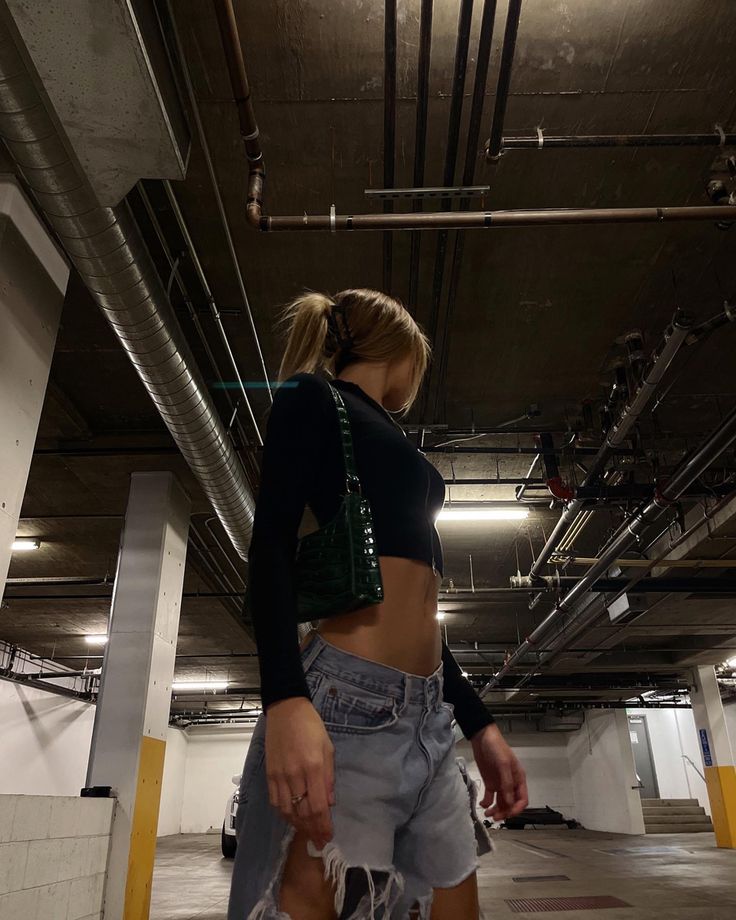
(180, 686)
(480, 513)
(93, 639)
(440, 615)
(25, 544)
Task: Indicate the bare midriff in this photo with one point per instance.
(401, 632)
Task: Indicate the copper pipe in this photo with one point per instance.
(440, 220)
(246, 117)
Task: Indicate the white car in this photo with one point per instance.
(229, 840)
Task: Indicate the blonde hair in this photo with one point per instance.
(376, 328)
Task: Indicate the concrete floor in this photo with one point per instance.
(663, 877)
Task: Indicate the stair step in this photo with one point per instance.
(677, 819)
(678, 828)
(667, 803)
(653, 810)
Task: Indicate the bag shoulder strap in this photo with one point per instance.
(352, 482)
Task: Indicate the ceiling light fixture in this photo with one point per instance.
(480, 513)
(96, 639)
(25, 544)
(440, 615)
(183, 686)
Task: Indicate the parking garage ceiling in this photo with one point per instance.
(538, 317)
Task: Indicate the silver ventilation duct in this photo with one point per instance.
(108, 251)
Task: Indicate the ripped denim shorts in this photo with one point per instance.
(401, 819)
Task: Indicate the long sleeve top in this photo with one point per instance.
(303, 466)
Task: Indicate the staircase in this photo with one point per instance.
(675, 816)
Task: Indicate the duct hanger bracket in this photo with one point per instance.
(460, 191)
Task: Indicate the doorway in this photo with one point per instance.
(646, 774)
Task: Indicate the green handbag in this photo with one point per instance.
(336, 567)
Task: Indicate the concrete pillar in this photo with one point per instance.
(33, 279)
(717, 754)
(604, 775)
(129, 736)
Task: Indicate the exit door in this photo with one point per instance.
(643, 759)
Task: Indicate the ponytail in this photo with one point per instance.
(306, 318)
(325, 334)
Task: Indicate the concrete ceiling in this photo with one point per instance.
(539, 314)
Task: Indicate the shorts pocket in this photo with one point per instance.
(347, 707)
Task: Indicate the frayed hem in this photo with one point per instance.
(424, 905)
(336, 868)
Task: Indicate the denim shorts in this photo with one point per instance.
(401, 821)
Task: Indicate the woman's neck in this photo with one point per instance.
(370, 377)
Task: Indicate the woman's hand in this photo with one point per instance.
(503, 775)
(300, 758)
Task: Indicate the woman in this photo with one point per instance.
(352, 805)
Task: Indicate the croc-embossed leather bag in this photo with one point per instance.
(336, 567)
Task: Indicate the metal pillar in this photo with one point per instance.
(717, 753)
(129, 736)
(33, 279)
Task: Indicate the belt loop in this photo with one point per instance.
(312, 651)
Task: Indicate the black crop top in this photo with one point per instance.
(303, 466)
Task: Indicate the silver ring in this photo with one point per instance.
(295, 799)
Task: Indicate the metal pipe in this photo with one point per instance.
(420, 138)
(211, 302)
(504, 78)
(462, 44)
(664, 563)
(685, 474)
(49, 688)
(544, 142)
(389, 129)
(485, 220)
(661, 360)
(725, 586)
(226, 19)
(109, 252)
(332, 222)
(174, 268)
(524, 451)
(483, 57)
(56, 675)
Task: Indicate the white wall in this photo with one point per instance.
(172, 784)
(214, 755)
(53, 856)
(730, 710)
(544, 758)
(49, 737)
(672, 733)
(602, 767)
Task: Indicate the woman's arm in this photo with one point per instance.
(295, 434)
(470, 710)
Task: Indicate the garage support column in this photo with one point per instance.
(33, 279)
(717, 752)
(129, 736)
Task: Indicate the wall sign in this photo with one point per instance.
(704, 744)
